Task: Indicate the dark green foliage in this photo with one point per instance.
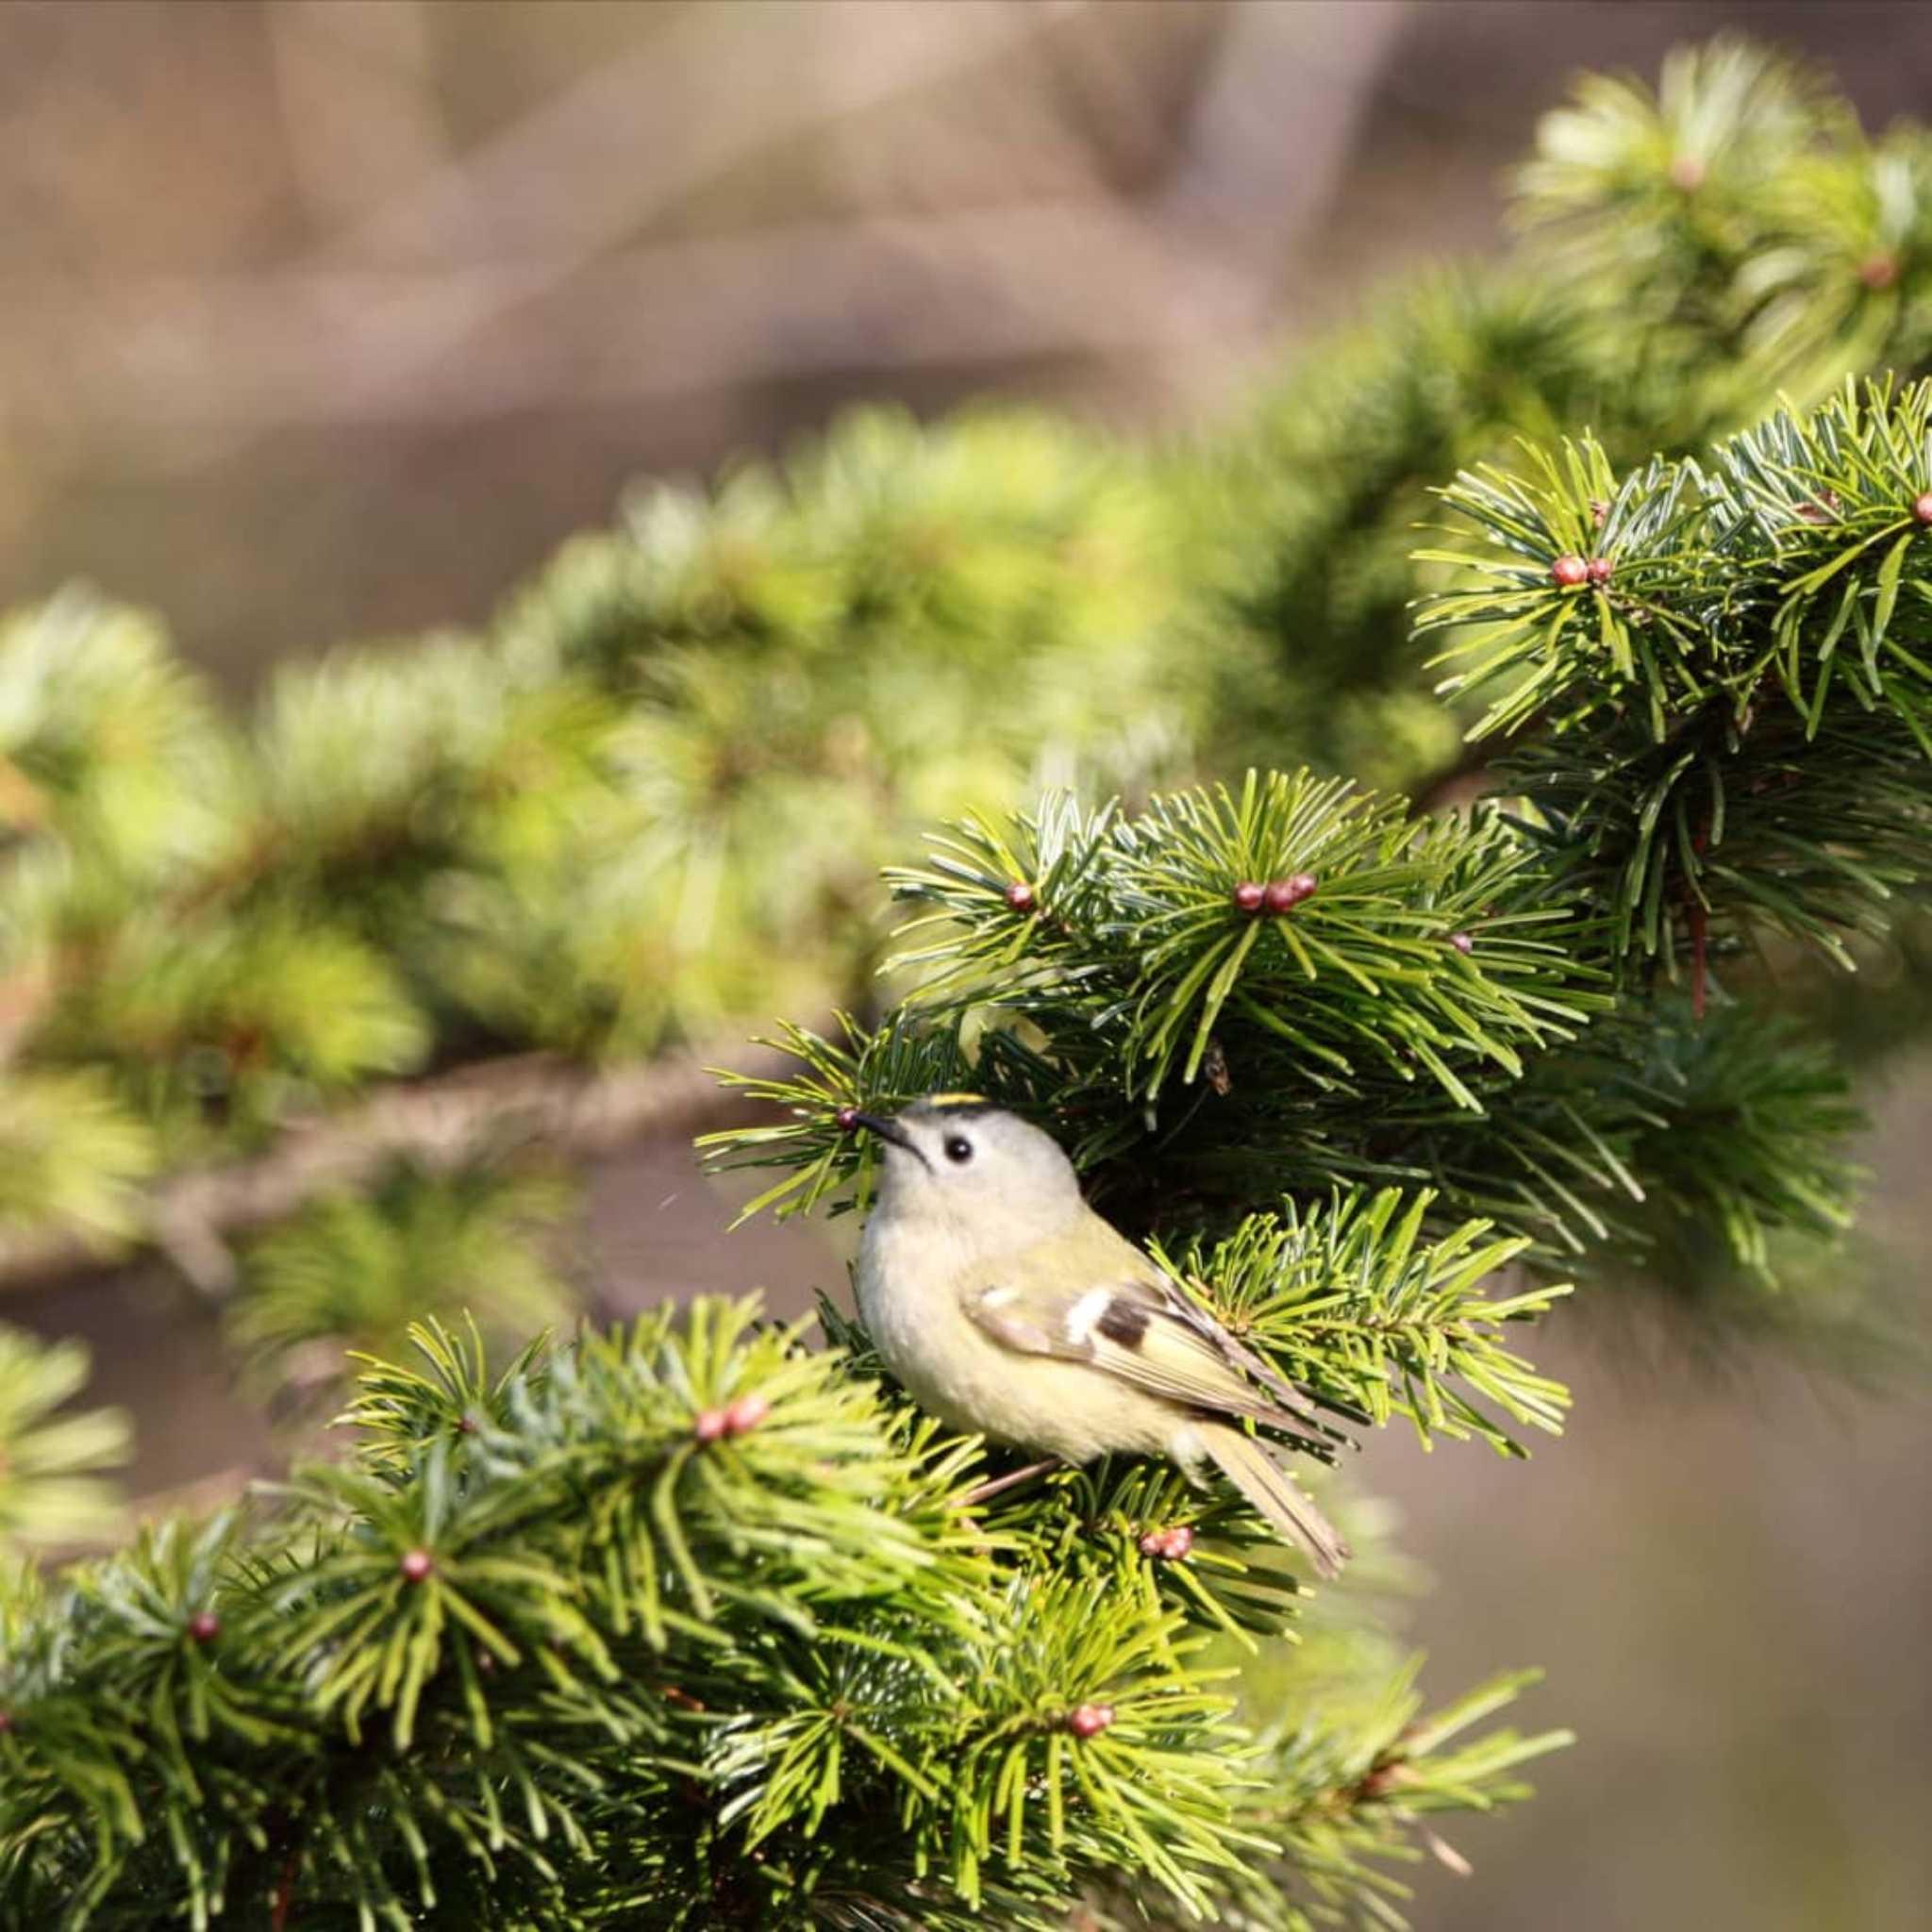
(1359, 1312)
(1741, 710)
(545, 1654)
(1362, 977)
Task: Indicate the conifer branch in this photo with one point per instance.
(553, 1641)
(441, 1125)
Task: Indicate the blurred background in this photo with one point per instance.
(389, 298)
(331, 318)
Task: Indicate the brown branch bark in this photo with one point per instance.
(529, 1099)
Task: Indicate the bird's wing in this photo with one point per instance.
(1122, 1315)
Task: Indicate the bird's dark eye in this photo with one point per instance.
(959, 1148)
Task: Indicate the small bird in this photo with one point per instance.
(1006, 1306)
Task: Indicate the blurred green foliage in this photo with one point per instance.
(351, 1270)
(52, 1489)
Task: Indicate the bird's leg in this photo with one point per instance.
(984, 1491)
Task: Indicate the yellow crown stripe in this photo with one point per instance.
(957, 1100)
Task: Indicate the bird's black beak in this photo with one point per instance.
(888, 1131)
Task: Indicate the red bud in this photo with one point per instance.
(1090, 1720)
(746, 1414)
(1284, 895)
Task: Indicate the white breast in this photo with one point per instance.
(916, 1323)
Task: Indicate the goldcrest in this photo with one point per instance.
(1006, 1306)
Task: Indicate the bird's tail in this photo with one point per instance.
(1270, 1488)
